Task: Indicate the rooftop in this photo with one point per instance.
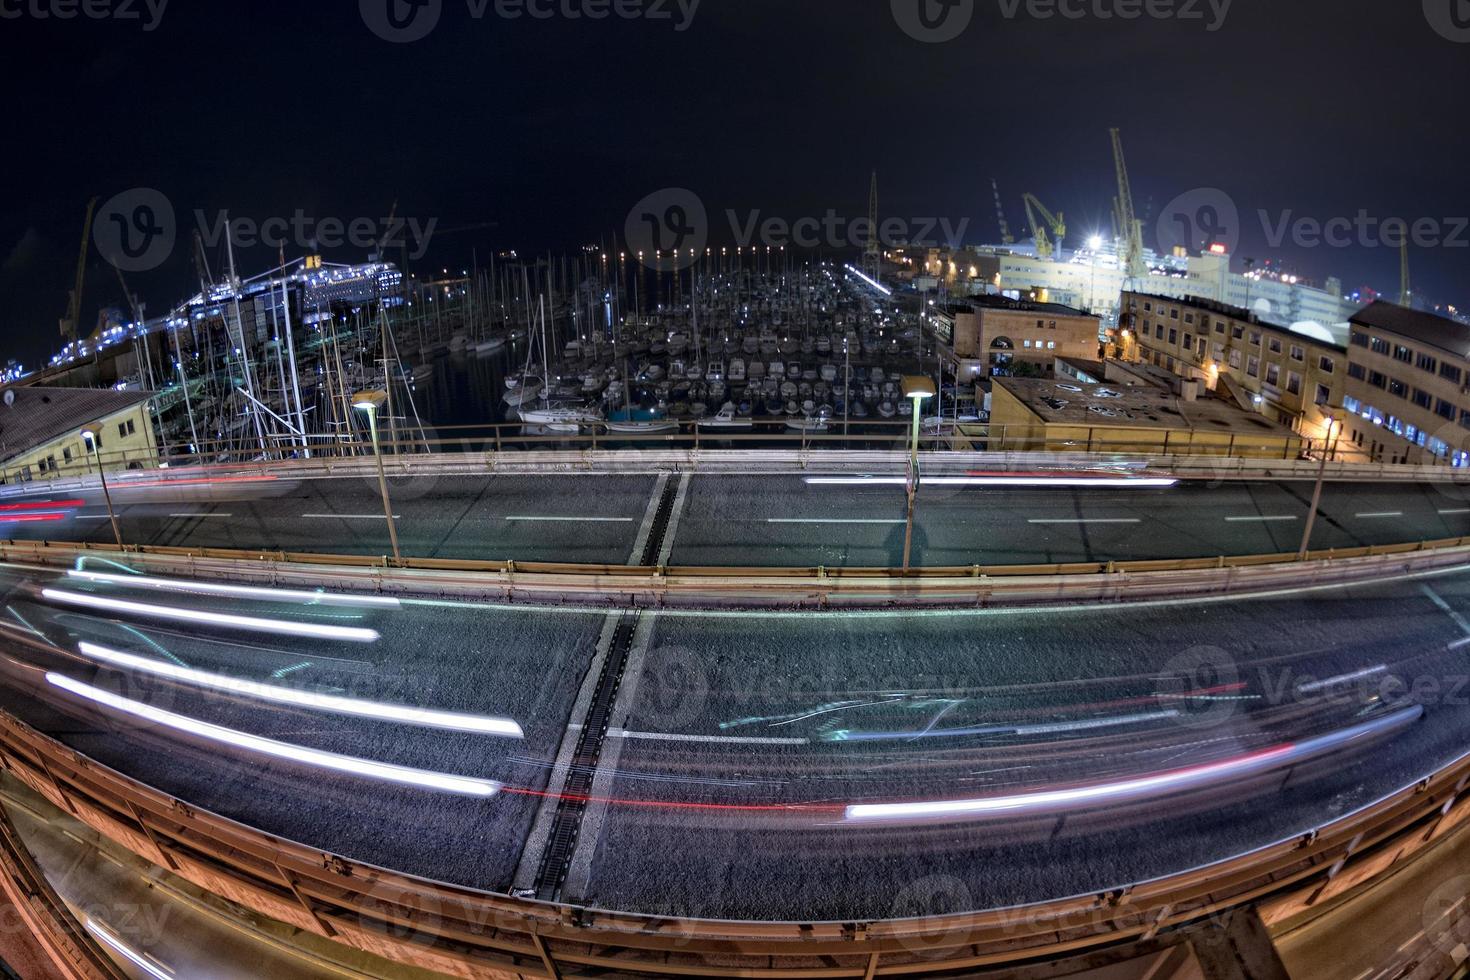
(993, 302)
(1139, 406)
(1426, 328)
(36, 416)
(1331, 334)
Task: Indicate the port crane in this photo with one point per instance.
(1045, 246)
(1129, 229)
(1006, 238)
(70, 325)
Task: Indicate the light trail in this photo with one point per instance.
(240, 591)
(1056, 802)
(42, 505)
(463, 785)
(400, 714)
(1128, 483)
(279, 627)
(142, 962)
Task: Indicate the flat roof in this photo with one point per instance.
(988, 301)
(1333, 332)
(37, 416)
(1426, 328)
(1145, 406)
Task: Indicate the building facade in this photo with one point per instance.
(1408, 387)
(1295, 378)
(987, 336)
(41, 432)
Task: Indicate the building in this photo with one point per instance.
(1294, 375)
(41, 431)
(1137, 410)
(1408, 387)
(992, 335)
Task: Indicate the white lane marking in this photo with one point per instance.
(1356, 675)
(1254, 520)
(1445, 608)
(1386, 513)
(828, 520)
(351, 517)
(706, 739)
(92, 517)
(1091, 520)
(574, 520)
(1457, 510)
(201, 515)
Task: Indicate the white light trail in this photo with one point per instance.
(1135, 483)
(128, 953)
(240, 591)
(1054, 802)
(454, 721)
(463, 785)
(871, 282)
(280, 627)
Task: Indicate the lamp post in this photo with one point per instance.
(369, 402)
(918, 389)
(90, 438)
(1332, 426)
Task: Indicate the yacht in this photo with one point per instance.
(726, 420)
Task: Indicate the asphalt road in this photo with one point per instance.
(747, 520)
(739, 741)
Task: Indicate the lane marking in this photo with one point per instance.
(1357, 675)
(704, 739)
(351, 517)
(1445, 608)
(574, 520)
(831, 520)
(201, 515)
(1091, 520)
(1254, 520)
(1457, 510)
(1387, 513)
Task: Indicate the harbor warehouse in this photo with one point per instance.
(41, 431)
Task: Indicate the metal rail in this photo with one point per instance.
(474, 935)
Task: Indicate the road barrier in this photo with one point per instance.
(621, 586)
(471, 934)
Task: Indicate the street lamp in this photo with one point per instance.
(919, 389)
(1332, 426)
(90, 439)
(370, 402)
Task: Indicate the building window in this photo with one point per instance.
(1397, 388)
(1378, 346)
(1357, 372)
(1377, 380)
(1220, 326)
(66, 454)
(1360, 339)
(1273, 375)
(1298, 353)
(1238, 332)
(1350, 403)
(1189, 318)
(1324, 396)
(1173, 314)
(1423, 399)
(1426, 363)
(1174, 338)
(1253, 367)
(1159, 332)
(1255, 338)
(1327, 365)
(1451, 373)
(1275, 346)
(1446, 410)
(1293, 383)
(1403, 355)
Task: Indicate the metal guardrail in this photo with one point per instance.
(473, 935)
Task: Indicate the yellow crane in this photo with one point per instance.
(1127, 228)
(1045, 246)
(69, 326)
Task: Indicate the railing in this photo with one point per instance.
(475, 935)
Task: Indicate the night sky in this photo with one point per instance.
(552, 129)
